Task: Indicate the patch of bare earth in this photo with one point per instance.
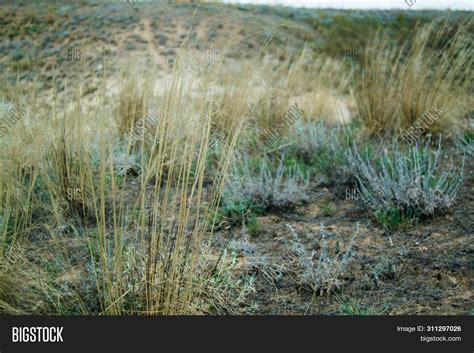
(425, 269)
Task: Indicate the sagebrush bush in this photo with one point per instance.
(311, 138)
(412, 180)
(255, 181)
(320, 145)
(466, 143)
(322, 274)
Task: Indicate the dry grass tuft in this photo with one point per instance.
(399, 84)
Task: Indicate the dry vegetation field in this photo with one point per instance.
(235, 159)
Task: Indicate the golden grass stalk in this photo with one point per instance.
(399, 84)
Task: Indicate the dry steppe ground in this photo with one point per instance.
(198, 213)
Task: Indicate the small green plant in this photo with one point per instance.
(54, 266)
(466, 142)
(239, 210)
(296, 162)
(354, 307)
(328, 209)
(253, 225)
(394, 218)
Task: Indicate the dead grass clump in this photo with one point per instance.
(132, 104)
(399, 84)
(144, 232)
(24, 287)
(260, 92)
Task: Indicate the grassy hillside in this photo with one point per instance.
(235, 159)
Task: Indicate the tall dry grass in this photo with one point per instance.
(399, 83)
(126, 224)
(146, 228)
